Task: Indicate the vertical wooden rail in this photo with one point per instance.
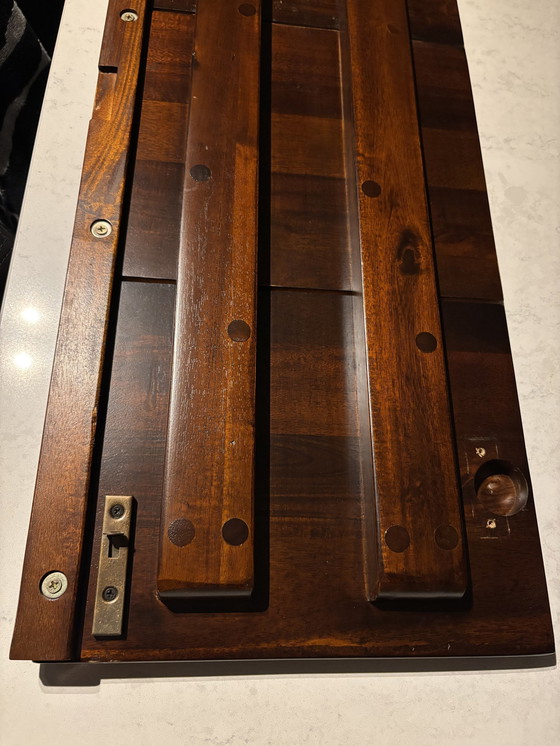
(419, 543)
(206, 543)
(45, 626)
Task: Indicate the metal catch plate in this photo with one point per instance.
(113, 560)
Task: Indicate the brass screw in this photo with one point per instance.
(128, 16)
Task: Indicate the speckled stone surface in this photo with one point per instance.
(513, 47)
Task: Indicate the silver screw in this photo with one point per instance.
(128, 16)
(101, 228)
(54, 585)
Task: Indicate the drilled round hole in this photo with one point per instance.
(235, 532)
(181, 532)
(397, 538)
(446, 537)
(239, 331)
(371, 189)
(200, 172)
(426, 342)
(501, 487)
(246, 9)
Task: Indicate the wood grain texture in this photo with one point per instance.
(435, 20)
(309, 221)
(464, 245)
(313, 496)
(415, 471)
(210, 447)
(185, 6)
(154, 219)
(316, 513)
(44, 628)
(136, 421)
(315, 13)
(488, 426)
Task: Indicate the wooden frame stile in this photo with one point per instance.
(45, 628)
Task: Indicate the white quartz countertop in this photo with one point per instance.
(513, 48)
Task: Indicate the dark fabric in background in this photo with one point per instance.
(28, 30)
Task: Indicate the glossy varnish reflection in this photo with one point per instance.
(45, 628)
(344, 231)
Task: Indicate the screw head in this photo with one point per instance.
(109, 593)
(101, 228)
(117, 510)
(54, 584)
(129, 16)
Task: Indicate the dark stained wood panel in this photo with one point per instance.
(45, 629)
(315, 13)
(206, 547)
(419, 546)
(461, 224)
(153, 230)
(136, 422)
(435, 20)
(488, 428)
(309, 151)
(177, 380)
(316, 506)
(309, 221)
(309, 233)
(453, 159)
(185, 6)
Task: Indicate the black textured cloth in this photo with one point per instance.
(24, 65)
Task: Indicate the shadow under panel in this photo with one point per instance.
(154, 221)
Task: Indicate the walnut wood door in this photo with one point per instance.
(283, 419)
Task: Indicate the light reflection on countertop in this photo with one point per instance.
(23, 360)
(30, 315)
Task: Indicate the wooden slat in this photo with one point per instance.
(419, 544)
(207, 516)
(154, 220)
(45, 628)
